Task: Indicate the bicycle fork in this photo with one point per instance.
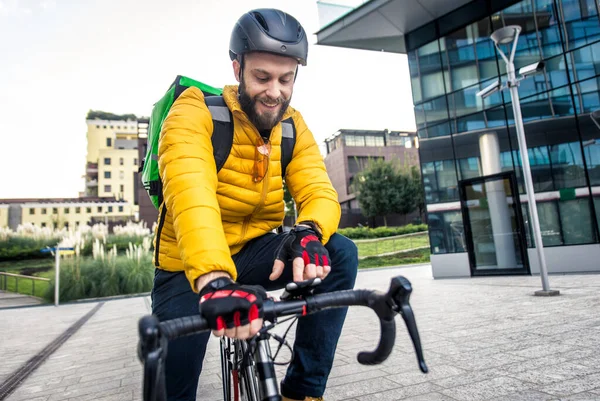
(266, 370)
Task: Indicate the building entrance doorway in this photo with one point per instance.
(493, 223)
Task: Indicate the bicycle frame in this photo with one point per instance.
(248, 379)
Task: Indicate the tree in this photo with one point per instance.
(377, 190)
(103, 115)
(410, 191)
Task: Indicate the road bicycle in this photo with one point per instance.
(248, 371)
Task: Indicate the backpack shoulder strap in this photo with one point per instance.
(222, 136)
(288, 141)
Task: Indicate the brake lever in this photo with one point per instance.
(399, 293)
(152, 352)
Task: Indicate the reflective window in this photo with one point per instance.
(465, 102)
(439, 179)
(584, 63)
(469, 168)
(439, 130)
(597, 207)
(446, 232)
(567, 165)
(436, 110)
(549, 223)
(575, 218)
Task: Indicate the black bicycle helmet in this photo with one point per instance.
(269, 30)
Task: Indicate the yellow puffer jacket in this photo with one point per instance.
(205, 219)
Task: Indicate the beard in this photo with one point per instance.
(266, 120)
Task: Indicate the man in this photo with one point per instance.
(216, 234)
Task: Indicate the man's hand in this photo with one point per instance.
(231, 309)
(309, 257)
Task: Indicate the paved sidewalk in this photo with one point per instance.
(484, 339)
(11, 299)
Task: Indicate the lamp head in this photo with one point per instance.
(505, 35)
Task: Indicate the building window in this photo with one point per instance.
(77, 210)
(76, 224)
(108, 142)
(356, 164)
(54, 210)
(121, 161)
(67, 225)
(110, 209)
(67, 210)
(374, 141)
(112, 127)
(121, 209)
(97, 126)
(31, 211)
(88, 210)
(135, 161)
(99, 209)
(107, 188)
(122, 188)
(354, 140)
(44, 211)
(107, 174)
(121, 174)
(107, 161)
(43, 225)
(104, 126)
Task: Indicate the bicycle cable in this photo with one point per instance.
(282, 341)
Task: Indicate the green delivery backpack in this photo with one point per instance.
(222, 136)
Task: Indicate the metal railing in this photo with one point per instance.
(5, 276)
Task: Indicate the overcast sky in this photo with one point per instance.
(61, 58)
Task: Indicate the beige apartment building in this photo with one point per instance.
(60, 213)
(112, 161)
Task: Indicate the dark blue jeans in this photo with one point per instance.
(316, 335)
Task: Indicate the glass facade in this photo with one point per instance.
(560, 107)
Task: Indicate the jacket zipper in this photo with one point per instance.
(263, 195)
(163, 214)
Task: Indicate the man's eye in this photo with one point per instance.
(286, 81)
(263, 79)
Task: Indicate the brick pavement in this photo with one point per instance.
(484, 339)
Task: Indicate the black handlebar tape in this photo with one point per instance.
(183, 326)
(337, 299)
(372, 299)
(385, 346)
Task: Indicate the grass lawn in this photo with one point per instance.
(418, 256)
(31, 267)
(392, 245)
(26, 285)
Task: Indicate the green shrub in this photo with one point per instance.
(19, 248)
(111, 275)
(120, 241)
(380, 232)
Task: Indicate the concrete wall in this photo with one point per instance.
(567, 259)
(559, 260)
(450, 265)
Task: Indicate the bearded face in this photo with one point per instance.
(266, 86)
(263, 111)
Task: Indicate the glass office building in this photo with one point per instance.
(470, 160)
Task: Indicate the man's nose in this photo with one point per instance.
(273, 90)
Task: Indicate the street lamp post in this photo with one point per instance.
(504, 36)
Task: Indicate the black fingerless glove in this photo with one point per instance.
(226, 304)
(303, 242)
